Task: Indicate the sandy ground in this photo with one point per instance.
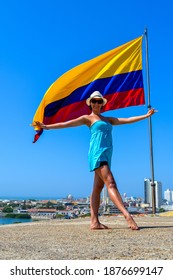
(72, 240)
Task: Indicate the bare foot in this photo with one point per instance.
(98, 226)
(131, 223)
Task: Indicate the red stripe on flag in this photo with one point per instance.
(125, 99)
(116, 100)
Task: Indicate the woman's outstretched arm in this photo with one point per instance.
(72, 123)
(118, 121)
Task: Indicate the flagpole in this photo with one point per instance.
(150, 127)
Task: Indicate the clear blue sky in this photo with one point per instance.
(39, 41)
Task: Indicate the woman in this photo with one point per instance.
(100, 153)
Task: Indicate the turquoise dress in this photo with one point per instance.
(100, 144)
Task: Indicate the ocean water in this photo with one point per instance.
(7, 221)
(27, 198)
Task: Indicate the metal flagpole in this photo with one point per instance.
(150, 128)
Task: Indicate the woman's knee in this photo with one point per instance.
(111, 185)
(110, 182)
(107, 177)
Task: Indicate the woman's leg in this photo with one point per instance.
(106, 176)
(95, 203)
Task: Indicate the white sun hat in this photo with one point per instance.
(96, 94)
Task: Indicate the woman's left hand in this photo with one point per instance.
(151, 112)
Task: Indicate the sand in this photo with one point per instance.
(73, 240)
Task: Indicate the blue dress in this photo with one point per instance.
(100, 144)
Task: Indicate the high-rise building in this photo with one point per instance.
(168, 195)
(106, 199)
(148, 192)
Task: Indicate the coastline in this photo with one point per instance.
(73, 240)
(9, 221)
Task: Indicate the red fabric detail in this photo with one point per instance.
(37, 136)
(116, 100)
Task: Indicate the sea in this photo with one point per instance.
(28, 198)
(8, 221)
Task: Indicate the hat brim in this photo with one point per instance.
(89, 100)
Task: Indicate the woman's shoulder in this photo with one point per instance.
(87, 119)
(107, 119)
(111, 120)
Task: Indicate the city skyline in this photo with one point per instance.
(104, 191)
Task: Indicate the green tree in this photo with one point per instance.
(161, 210)
(24, 205)
(60, 206)
(49, 204)
(7, 209)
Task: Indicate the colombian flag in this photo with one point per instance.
(117, 74)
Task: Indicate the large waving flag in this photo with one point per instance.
(117, 74)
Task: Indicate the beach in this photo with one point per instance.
(73, 239)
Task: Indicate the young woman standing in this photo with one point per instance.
(100, 154)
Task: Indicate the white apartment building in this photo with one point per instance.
(168, 195)
(105, 196)
(148, 192)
